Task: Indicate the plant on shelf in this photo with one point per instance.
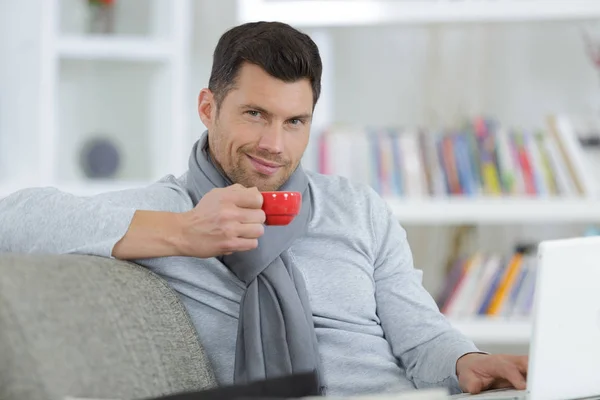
(101, 16)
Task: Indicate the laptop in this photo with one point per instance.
(564, 350)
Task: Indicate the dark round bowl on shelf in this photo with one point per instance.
(100, 158)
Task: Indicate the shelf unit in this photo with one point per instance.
(129, 85)
(333, 13)
(317, 17)
(109, 48)
(80, 189)
(495, 331)
(494, 210)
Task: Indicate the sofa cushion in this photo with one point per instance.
(85, 326)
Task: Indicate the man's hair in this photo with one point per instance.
(280, 50)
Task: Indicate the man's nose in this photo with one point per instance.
(272, 139)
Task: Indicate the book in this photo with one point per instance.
(490, 285)
(482, 157)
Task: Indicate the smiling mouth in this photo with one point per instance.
(264, 167)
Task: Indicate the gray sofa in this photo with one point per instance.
(74, 326)
(92, 327)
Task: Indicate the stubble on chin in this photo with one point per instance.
(247, 177)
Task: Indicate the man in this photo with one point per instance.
(333, 292)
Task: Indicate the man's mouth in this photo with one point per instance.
(263, 166)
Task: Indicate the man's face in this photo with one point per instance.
(262, 128)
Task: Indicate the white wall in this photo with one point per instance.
(19, 68)
(211, 20)
(413, 75)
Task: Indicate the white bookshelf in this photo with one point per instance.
(495, 331)
(319, 17)
(332, 13)
(494, 210)
(316, 17)
(129, 85)
(81, 189)
(114, 48)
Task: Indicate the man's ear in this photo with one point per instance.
(207, 108)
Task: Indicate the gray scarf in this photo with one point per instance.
(276, 335)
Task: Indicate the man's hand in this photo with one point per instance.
(224, 221)
(478, 372)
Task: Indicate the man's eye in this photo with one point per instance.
(253, 113)
(295, 121)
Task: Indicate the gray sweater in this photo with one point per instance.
(378, 329)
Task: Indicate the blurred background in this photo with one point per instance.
(476, 120)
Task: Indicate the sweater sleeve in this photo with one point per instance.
(419, 334)
(47, 220)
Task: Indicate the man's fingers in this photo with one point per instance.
(250, 231)
(522, 363)
(512, 373)
(470, 383)
(494, 372)
(501, 384)
(246, 239)
(239, 244)
(251, 216)
(248, 198)
(237, 187)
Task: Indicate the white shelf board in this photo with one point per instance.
(79, 189)
(323, 13)
(494, 210)
(113, 48)
(93, 188)
(495, 331)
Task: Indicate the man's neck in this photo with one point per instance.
(214, 161)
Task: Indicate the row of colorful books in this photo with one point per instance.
(490, 285)
(483, 157)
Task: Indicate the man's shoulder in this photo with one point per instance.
(354, 200)
(177, 189)
(168, 193)
(341, 187)
(344, 205)
(351, 196)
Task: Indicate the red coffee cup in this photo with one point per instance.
(281, 207)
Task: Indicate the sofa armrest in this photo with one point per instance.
(85, 326)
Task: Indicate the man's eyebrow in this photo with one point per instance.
(265, 112)
(302, 116)
(256, 108)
